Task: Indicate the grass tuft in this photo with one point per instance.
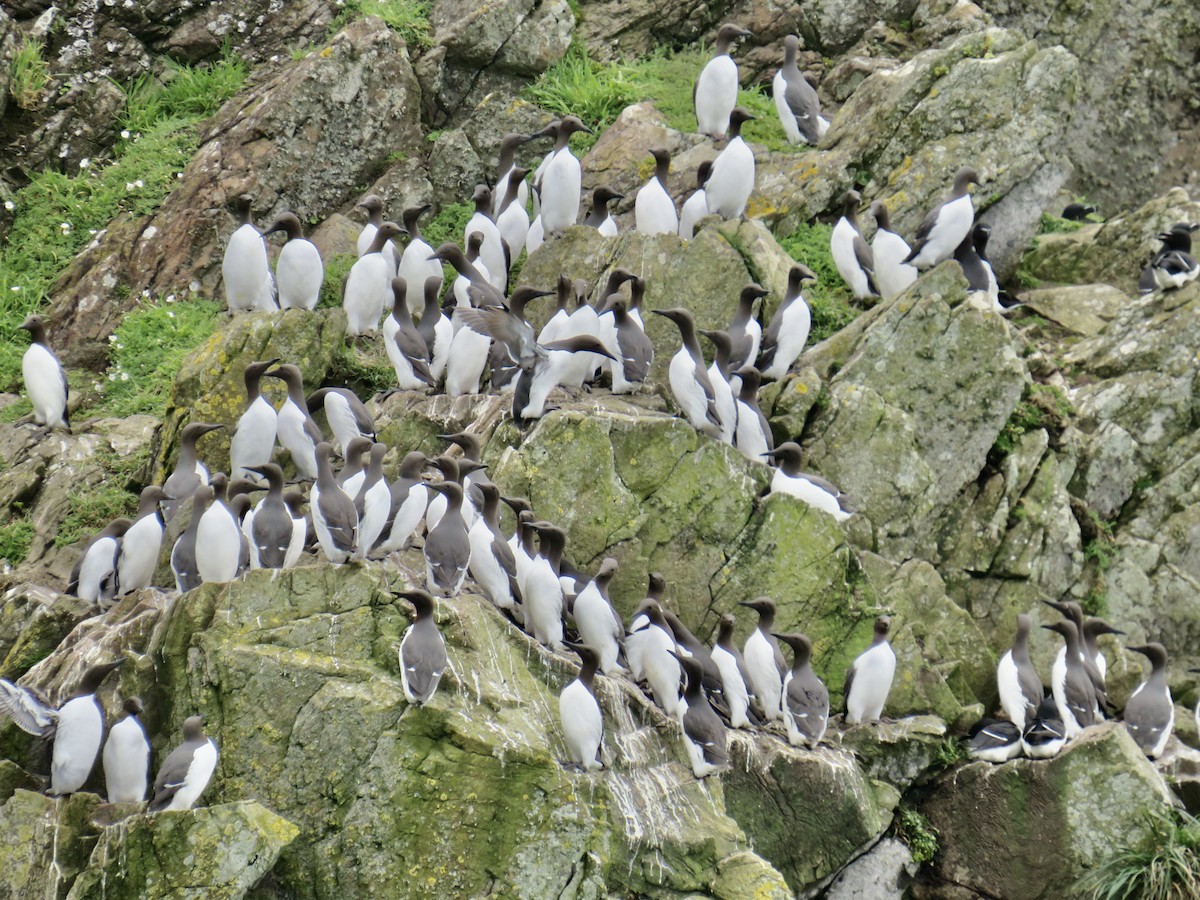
(921, 837)
(829, 299)
(15, 540)
(182, 92)
(1165, 867)
(408, 18)
(29, 73)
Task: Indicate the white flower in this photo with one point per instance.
(15, 288)
(129, 186)
(146, 293)
(170, 298)
(112, 376)
(139, 183)
(170, 313)
(9, 205)
(84, 163)
(66, 227)
(92, 232)
(112, 338)
(124, 376)
(125, 134)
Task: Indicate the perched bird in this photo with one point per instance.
(218, 537)
(744, 331)
(764, 660)
(598, 623)
(436, 329)
(994, 741)
(946, 225)
(688, 378)
(735, 680)
(977, 271)
(422, 650)
(805, 698)
(1074, 612)
(796, 100)
(541, 590)
(367, 291)
(513, 220)
(893, 275)
(635, 635)
(415, 266)
(244, 268)
(869, 678)
(141, 544)
(373, 204)
(753, 434)
(126, 756)
(276, 536)
(659, 661)
(633, 350)
(409, 499)
(76, 727)
(690, 645)
(493, 564)
(372, 503)
(447, 546)
(599, 215)
(183, 554)
(731, 181)
(583, 725)
(348, 418)
(334, 516)
(45, 380)
(719, 376)
(1173, 265)
(491, 249)
(186, 771)
(653, 208)
(189, 472)
(405, 347)
(560, 181)
(1077, 212)
(714, 94)
(1150, 712)
(850, 252)
(468, 353)
(354, 467)
(94, 577)
(504, 167)
(1094, 628)
(1017, 680)
(704, 735)
(1074, 692)
(1045, 735)
(254, 437)
(299, 271)
(297, 432)
(787, 333)
(695, 207)
(812, 489)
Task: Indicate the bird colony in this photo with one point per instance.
(475, 333)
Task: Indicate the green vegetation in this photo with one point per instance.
(949, 752)
(89, 512)
(829, 299)
(448, 225)
(147, 350)
(914, 829)
(1053, 225)
(408, 18)
(1041, 406)
(1165, 867)
(29, 74)
(1095, 602)
(336, 269)
(56, 215)
(15, 539)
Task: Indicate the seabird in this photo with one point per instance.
(183, 554)
(1150, 712)
(409, 500)
(373, 204)
(504, 167)
(753, 435)
(695, 207)
(468, 353)
(1017, 680)
(787, 333)
(805, 698)
(244, 268)
(354, 466)
(850, 252)
(582, 723)
(470, 473)
(979, 275)
(276, 537)
(1073, 611)
(719, 377)
(299, 271)
(869, 678)
(560, 182)
(796, 100)
(254, 437)
(347, 416)
(1077, 212)
(491, 247)
(141, 544)
(45, 380)
(764, 660)
(660, 665)
(372, 503)
(704, 735)
(189, 472)
(689, 645)
(812, 489)
(186, 771)
(1073, 690)
(126, 756)
(994, 741)
(367, 292)
(298, 433)
(422, 650)
(218, 537)
(735, 680)
(893, 275)
(447, 546)
(599, 216)
(635, 635)
(689, 381)
(541, 591)
(406, 349)
(513, 220)
(415, 265)
(653, 208)
(493, 565)
(436, 329)
(333, 513)
(1173, 265)
(731, 181)
(714, 94)
(946, 225)
(634, 351)
(744, 330)
(94, 577)
(1046, 735)
(599, 626)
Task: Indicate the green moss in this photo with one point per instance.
(182, 92)
(408, 18)
(914, 829)
(15, 539)
(829, 299)
(448, 225)
(1053, 224)
(1041, 406)
(336, 269)
(1095, 602)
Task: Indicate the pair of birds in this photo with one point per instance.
(1172, 265)
(889, 265)
(246, 272)
(76, 730)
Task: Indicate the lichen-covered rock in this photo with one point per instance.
(1030, 828)
(1083, 309)
(45, 842)
(617, 29)
(33, 620)
(882, 873)
(218, 852)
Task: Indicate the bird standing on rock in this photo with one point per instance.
(1150, 712)
(892, 274)
(126, 756)
(189, 472)
(254, 437)
(869, 678)
(561, 180)
(850, 252)
(244, 268)
(45, 380)
(796, 100)
(368, 288)
(787, 332)
(714, 94)
(764, 660)
(944, 228)
(186, 771)
(653, 208)
(805, 698)
(688, 377)
(582, 722)
(334, 516)
(731, 181)
(1017, 680)
(422, 650)
(299, 271)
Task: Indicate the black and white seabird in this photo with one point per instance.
(126, 756)
(448, 546)
(753, 434)
(76, 727)
(347, 416)
(1077, 212)
(582, 722)
(787, 333)
(660, 665)
(994, 741)
(276, 537)
(946, 225)
(1045, 735)
(599, 215)
(653, 208)
(254, 437)
(764, 660)
(183, 554)
(704, 735)
(560, 181)
(513, 220)
(186, 771)
(372, 502)
(695, 207)
(635, 634)
(541, 589)
(598, 623)
(1093, 629)
(977, 271)
(219, 537)
(796, 100)
(735, 681)
(869, 678)
(505, 163)
(334, 516)
(893, 275)
(744, 331)
(298, 433)
(1074, 612)
(1073, 689)
(436, 329)
(851, 254)
(812, 489)
(410, 498)
(45, 380)
(714, 94)
(415, 265)
(189, 472)
(367, 291)
(731, 181)
(422, 650)
(406, 348)
(689, 645)
(141, 544)
(1173, 265)
(688, 377)
(299, 271)
(633, 348)
(491, 249)
(1017, 680)
(373, 204)
(721, 379)
(94, 576)
(1150, 712)
(493, 564)
(805, 697)
(244, 268)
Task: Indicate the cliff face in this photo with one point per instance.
(995, 461)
